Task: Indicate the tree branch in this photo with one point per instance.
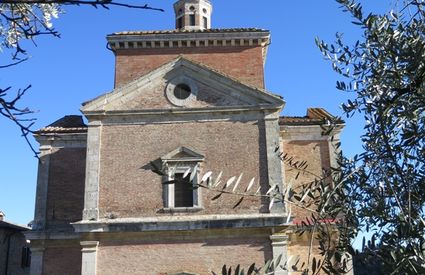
(95, 3)
(9, 110)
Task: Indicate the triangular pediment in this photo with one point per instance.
(182, 154)
(182, 84)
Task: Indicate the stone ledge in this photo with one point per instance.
(47, 235)
(181, 209)
(182, 223)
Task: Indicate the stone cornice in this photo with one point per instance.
(47, 235)
(186, 111)
(197, 222)
(66, 140)
(188, 39)
(309, 132)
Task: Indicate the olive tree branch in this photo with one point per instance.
(9, 110)
(94, 3)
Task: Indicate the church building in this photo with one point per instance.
(113, 189)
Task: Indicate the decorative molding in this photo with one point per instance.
(58, 140)
(189, 39)
(190, 156)
(47, 235)
(180, 223)
(300, 133)
(171, 86)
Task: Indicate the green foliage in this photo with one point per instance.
(382, 188)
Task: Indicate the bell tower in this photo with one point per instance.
(193, 14)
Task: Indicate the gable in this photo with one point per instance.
(182, 84)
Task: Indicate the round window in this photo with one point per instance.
(192, 8)
(204, 10)
(182, 91)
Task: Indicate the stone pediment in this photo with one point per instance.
(183, 85)
(182, 154)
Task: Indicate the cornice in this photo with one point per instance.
(182, 223)
(134, 40)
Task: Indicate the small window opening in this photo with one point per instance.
(183, 191)
(182, 91)
(192, 19)
(192, 8)
(26, 257)
(180, 23)
(205, 22)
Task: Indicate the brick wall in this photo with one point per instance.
(65, 200)
(242, 63)
(62, 260)
(299, 248)
(316, 153)
(158, 257)
(128, 188)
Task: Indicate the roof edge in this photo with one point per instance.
(314, 116)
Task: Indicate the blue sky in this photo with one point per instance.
(68, 71)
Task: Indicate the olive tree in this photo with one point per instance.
(383, 195)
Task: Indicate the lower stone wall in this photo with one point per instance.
(62, 260)
(200, 256)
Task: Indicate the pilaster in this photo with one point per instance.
(91, 196)
(279, 249)
(89, 257)
(333, 142)
(42, 188)
(274, 164)
(37, 255)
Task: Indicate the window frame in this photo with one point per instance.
(177, 167)
(181, 79)
(179, 22)
(178, 162)
(205, 22)
(192, 20)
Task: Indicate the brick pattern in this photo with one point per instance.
(242, 63)
(128, 188)
(62, 260)
(299, 249)
(65, 202)
(169, 257)
(316, 153)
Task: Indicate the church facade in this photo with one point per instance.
(114, 195)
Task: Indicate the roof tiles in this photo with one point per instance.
(180, 31)
(67, 124)
(315, 116)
